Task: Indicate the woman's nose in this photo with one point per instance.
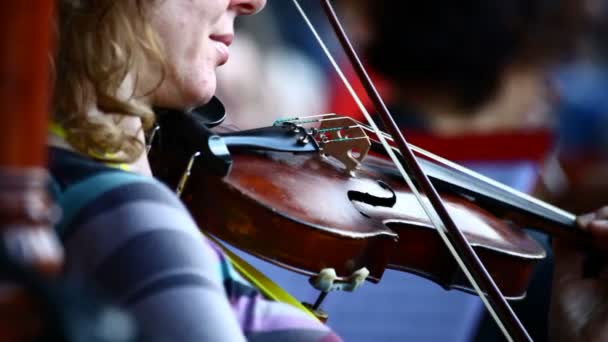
(247, 7)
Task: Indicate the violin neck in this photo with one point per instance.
(503, 201)
(512, 205)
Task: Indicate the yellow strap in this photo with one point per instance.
(268, 287)
(57, 130)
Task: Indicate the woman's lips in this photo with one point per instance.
(223, 52)
(222, 42)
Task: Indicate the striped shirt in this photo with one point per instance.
(130, 237)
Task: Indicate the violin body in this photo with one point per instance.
(303, 212)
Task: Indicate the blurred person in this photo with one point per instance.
(580, 158)
(285, 81)
(469, 82)
(238, 86)
(471, 67)
(573, 177)
(579, 303)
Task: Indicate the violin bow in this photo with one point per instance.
(453, 238)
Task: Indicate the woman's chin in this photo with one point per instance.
(201, 94)
(186, 100)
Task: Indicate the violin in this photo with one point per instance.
(312, 198)
(282, 193)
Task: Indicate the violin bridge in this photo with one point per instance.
(342, 138)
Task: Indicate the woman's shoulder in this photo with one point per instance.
(85, 188)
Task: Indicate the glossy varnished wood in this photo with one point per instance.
(294, 210)
(507, 252)
(285, 217)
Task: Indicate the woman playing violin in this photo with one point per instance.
(123, 231)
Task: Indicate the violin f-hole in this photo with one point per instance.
(376, 201)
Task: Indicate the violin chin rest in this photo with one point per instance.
(211, 114)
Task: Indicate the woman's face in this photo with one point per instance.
(195, 35)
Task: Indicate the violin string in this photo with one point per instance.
(333, 129)
(301, 119)
(477, 176)
(433, 216)
(337, 140)
(457, 168)
(306, 120)
(517, 195)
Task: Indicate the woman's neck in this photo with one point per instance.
(131, 125)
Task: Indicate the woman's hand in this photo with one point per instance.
(579, 304)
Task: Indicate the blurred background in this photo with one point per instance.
(513, 89)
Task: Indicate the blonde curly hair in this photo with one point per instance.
(100, 43)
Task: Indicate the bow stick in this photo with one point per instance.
(450, 234)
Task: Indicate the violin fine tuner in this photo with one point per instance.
(327, 281)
